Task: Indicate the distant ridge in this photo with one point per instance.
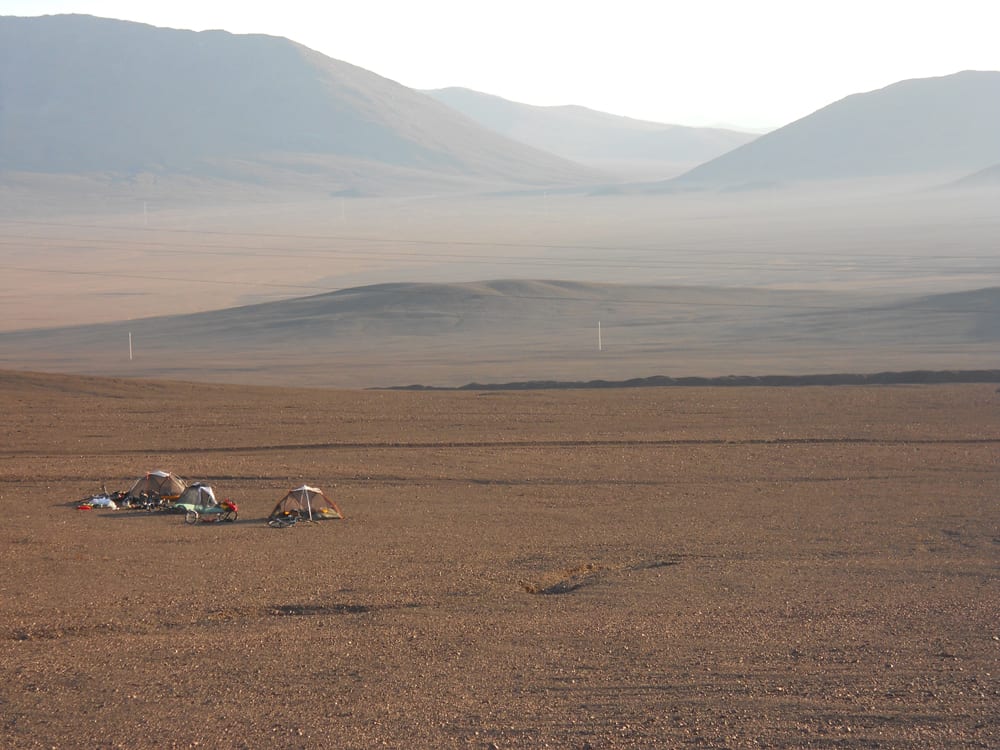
(90, 95)
(920, 126)
(989, 177)
(529, 331)
(914, 377)
(591, 137)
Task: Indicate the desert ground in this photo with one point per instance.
(633, 568)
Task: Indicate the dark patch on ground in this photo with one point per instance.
(911, 377)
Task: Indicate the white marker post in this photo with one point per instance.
(600, 345)
(129, 346)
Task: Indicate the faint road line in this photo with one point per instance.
(455, 444)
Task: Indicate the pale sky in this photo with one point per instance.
(742, 63)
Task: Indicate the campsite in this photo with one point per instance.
(164, 491)
(645, 567)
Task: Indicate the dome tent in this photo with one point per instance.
(197, 495)
(157, 484)
(307, 503)
(198, 502)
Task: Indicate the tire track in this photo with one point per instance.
(476, 444)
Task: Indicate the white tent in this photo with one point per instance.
(197, 495)
(199, 503)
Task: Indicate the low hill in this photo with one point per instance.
(84, 95)
(498, 331)
(920, 126)
(628, 146)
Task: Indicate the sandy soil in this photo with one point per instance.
(811, 567)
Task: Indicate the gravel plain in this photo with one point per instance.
(634, 568)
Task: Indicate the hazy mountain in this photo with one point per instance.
(81, 95)
(602, 140)
(989, 177)
(947, 124)
(526, 330)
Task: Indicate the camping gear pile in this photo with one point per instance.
(104, 499)
(163, 491)
(156, 490)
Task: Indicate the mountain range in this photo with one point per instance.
(622, 145)
(90, 96)
(947, 125)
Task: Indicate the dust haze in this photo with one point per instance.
(706, 283)
(225, 204)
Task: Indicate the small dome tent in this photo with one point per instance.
(197, 495)
(198, 502)
(159, 484)
(307, 503)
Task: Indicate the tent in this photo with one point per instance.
(199, 503)
(306, 502)
(197, 496)
(160, 484)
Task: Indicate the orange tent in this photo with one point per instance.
(157, 484)
(308, 503)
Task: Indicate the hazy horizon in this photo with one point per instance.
(216, 171)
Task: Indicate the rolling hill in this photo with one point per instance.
(86, 95)
(627, 146)
(451, 334)
(921, 126)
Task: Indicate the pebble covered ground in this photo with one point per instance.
(637, 568)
